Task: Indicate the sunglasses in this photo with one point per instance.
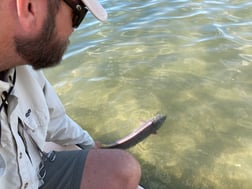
(79, 11)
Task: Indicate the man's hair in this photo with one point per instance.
(57, 3)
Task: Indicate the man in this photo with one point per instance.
(34, 35)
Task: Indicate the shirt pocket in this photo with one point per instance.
(35, 124)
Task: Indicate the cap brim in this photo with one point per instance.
(96, 9)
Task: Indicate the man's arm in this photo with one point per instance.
(62, 129)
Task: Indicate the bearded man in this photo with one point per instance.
(34, 34)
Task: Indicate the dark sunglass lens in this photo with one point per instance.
(75, 21)
(79, 16)
(79, 12)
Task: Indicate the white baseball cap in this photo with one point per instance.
(96, 9)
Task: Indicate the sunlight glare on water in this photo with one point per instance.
(190, 60)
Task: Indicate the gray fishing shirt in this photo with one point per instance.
(34, 115)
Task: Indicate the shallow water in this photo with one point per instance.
(190, 60)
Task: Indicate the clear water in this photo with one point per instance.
(191, 60)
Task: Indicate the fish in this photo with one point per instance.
(146, 129)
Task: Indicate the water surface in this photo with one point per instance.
(188, 59)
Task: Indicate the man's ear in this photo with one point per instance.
(30, 14)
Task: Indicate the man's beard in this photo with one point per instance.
(44, 50)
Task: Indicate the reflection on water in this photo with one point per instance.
(188, 59)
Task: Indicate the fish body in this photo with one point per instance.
(149, 127)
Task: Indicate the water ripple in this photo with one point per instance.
(189, 58)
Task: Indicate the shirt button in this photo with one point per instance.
(26, 185)
(20, 155)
